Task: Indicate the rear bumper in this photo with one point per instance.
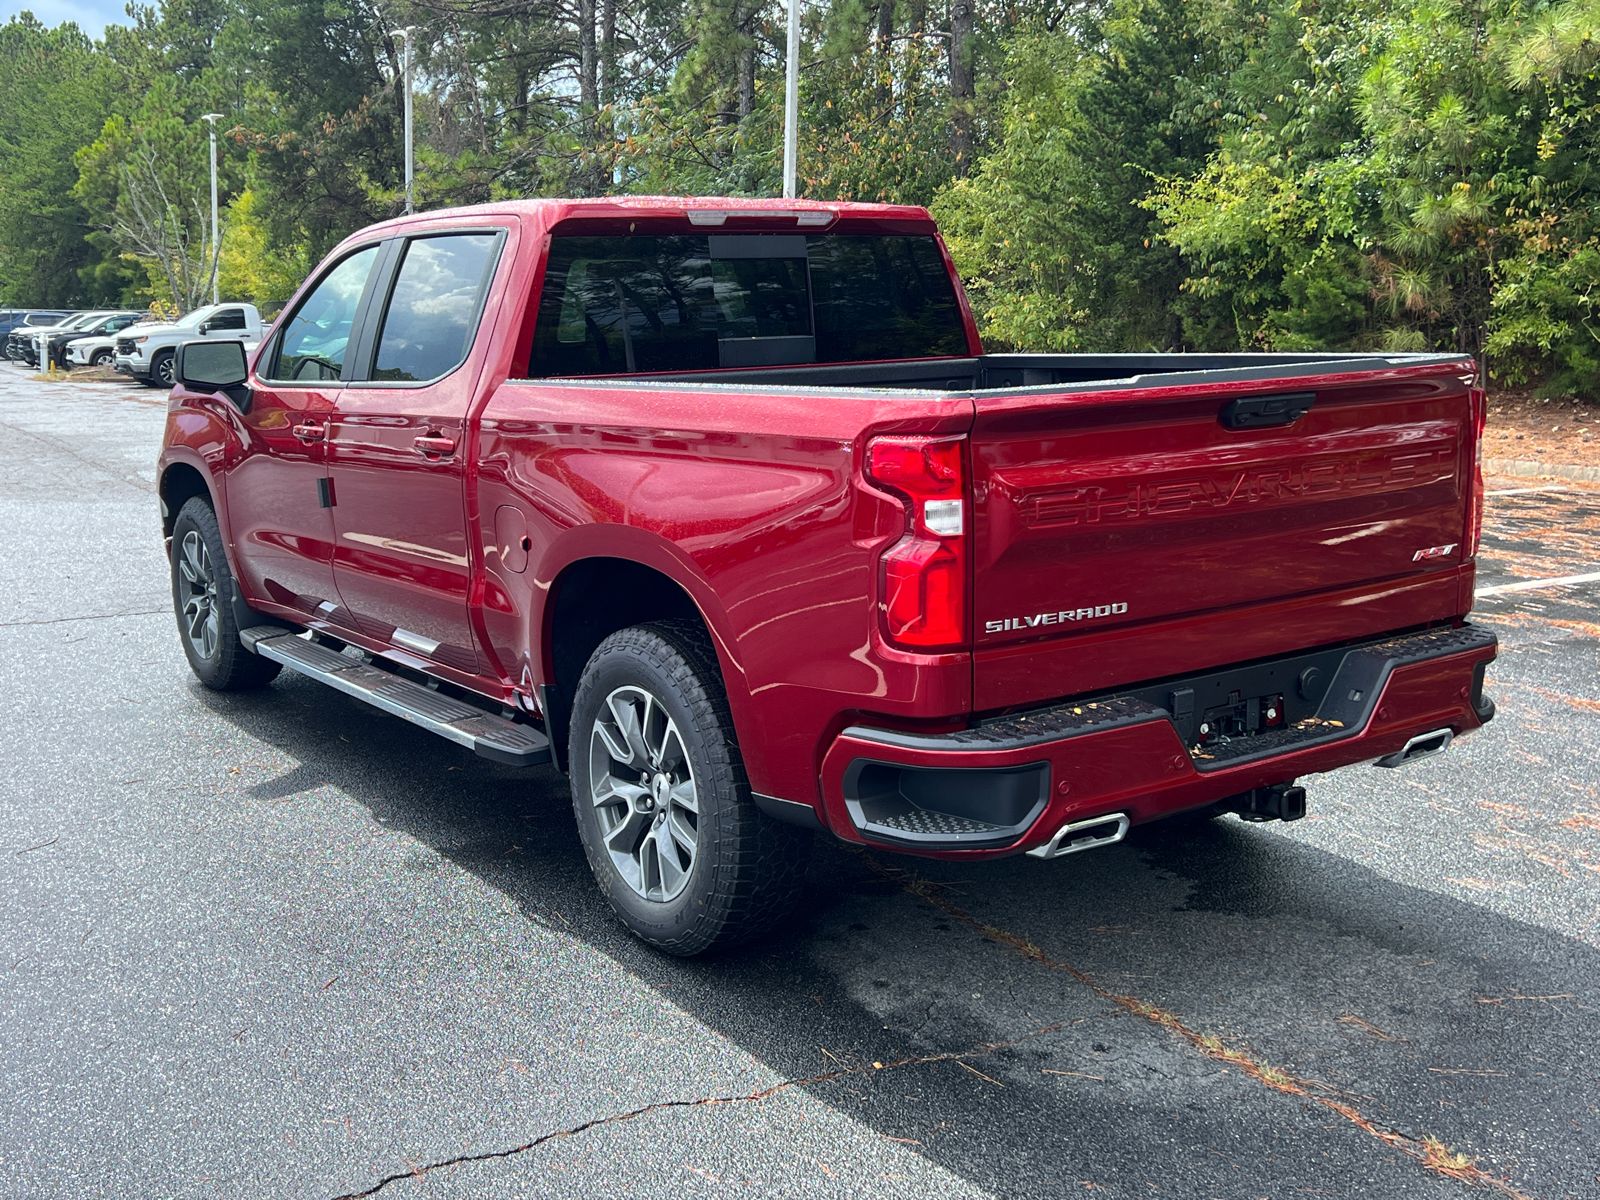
(1007, 784)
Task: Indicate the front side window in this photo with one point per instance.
(316, 339)
(642, 304)
(433, 310)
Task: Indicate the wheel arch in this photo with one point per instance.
(181, 482)
(590, 598)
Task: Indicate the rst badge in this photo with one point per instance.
(1434, 552)
(1039, 620)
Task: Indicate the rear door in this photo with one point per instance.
(1133, 533)
(277, 491)
(398, 448)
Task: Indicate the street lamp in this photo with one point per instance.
(405, 36)
(791, 103)
(211, 119)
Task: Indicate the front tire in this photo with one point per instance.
(677, 845)
(102, 358)
(202, 596)
(164, 370)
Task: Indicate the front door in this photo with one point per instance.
(397, 449)
(278, 490)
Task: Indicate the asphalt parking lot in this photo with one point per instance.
(281, 945)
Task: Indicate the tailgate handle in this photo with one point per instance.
(1262, 412)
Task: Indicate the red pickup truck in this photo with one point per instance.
(720, 507)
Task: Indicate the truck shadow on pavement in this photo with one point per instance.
(1202, 1010)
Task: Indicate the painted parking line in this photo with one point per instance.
(1533, 585)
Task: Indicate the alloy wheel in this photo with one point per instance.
(197, 590)
(166, 372)
(643, 791)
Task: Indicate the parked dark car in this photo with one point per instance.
(103, 325)
(15, 319)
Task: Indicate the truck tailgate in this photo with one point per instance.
(1132, 533)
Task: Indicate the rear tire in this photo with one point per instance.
(677, 845)
(202, 596)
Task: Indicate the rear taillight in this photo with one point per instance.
(924, 575)
(1480, 418)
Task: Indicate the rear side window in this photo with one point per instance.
(316, 339)
(646, 304)
(433, 310)
(227, 318)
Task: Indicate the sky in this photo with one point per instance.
(92, 16)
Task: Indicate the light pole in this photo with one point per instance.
(791, 103)
(405, 36)
(211, 120)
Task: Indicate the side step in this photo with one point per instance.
(482, 732)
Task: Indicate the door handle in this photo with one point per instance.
(311, 431)
(1263, 412)
(435, 444)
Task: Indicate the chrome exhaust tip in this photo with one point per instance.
(1424, 745)
(1084, 835)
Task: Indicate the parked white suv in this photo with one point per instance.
(147, 351)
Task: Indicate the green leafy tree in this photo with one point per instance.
(148, 175)
(53, 92)
(1048, 229)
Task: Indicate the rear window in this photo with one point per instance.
(647, 304)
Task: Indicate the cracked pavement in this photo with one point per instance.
(282, 945)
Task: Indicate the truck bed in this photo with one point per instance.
(1134, 516)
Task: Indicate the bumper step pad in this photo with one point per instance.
(1351, 696)
(486, 734)
(984, 787)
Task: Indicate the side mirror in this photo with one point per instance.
(205, 328)
(208, 367)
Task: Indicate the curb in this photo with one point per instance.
(1520, 468)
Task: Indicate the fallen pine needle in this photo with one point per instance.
(1368, 1026)
(979, 1074)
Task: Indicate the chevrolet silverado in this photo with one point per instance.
(720, 508)
(147, 351)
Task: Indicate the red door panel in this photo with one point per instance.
(283, 533)
(402, 561)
